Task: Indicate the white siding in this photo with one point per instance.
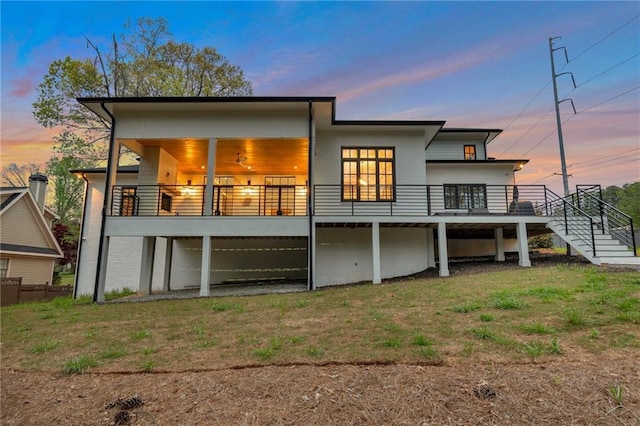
(477, 247)
(451, 147)
(344, 255)
(180, 124)
(482, 173)
(409, 153)
(124, 253)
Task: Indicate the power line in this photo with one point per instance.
(607, 100)
(586, 82)
(527, 106)
(599, 159)
(540, 180)
(610, 69)
(611, 165)
(604, 38)
(592, 166)
(577, 113)
(525, 133)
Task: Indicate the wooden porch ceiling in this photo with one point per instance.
(257, 156)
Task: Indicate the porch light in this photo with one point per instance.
(188, 191)
(248, 190)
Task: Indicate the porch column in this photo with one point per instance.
(205, 275)
(211, 173)
(431, 249)
(443, 257)
(498, 235)
(111, 176)
(102, 271)
(146, 265)
(375, 249)
(312, 258)
(166, 280)
(523, 245)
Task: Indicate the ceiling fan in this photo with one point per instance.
(241, 161)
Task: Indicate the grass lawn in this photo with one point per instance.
(66, 278)
(504, 316)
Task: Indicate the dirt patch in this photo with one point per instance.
(559, 392)
(576, 388)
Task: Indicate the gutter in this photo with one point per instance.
(104, 203)
(310, 197)
(80, 241)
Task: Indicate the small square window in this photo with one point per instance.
(469, 152)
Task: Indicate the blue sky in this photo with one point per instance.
(473, 64)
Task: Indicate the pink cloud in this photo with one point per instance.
(22, 87)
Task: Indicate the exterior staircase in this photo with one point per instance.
(598, 231)
(608, 250)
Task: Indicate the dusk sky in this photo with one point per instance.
(473, 64)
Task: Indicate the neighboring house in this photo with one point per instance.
(28, 248)
(275, 189)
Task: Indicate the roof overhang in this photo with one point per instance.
(517, 164)
(489, 134)
(116, 106)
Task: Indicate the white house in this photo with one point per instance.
(275, 189)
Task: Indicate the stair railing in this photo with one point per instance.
(612, 221)
(577, 222)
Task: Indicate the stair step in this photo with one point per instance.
(622, 261)
(614, 254)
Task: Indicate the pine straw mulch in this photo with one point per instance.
(561, 391)
(567, 389)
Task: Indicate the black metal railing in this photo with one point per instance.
(608, 219)
(575, 221)
(428, 200)
(228, 200)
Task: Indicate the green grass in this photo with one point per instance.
(79, 364)
(514, 314)
(45, 346)
(67, 278)
(464, 308)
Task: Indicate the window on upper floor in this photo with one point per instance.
(368, 174)
(4, 267)
(165, 202)
(469, 152)
(129, 203)
(472, 196)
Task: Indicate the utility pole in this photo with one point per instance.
(565, 177)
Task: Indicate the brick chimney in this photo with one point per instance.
(38, 187)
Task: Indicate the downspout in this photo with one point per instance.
(310, 195)
(104, 202)
(484, 146)
(82, 223)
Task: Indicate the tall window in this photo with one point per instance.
(4, 267)
(368, 174)
(469, 152)
(465, 196)
(129, 204)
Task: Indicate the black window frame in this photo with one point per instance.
(166, 202)
(358, 196)
(471, 156)
(464, 196)
(129, 201)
